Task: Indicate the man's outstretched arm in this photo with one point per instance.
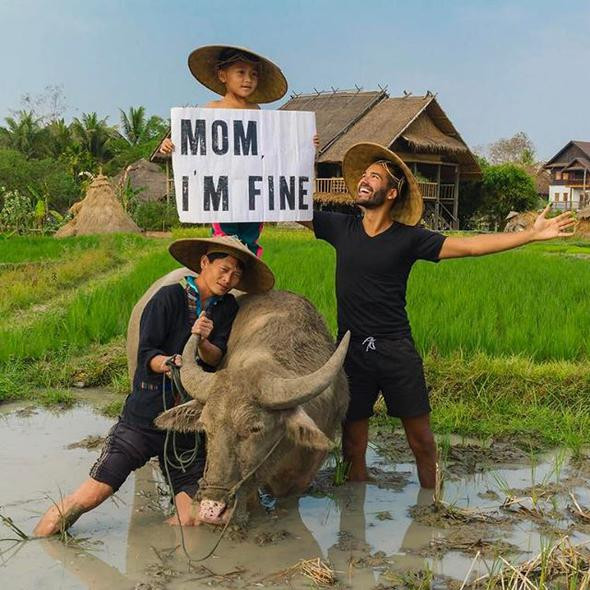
(542, 229)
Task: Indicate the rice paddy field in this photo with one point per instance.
(504, 337)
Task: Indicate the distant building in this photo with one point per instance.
(569, 187)
(415, 127)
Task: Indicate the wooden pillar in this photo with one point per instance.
(167, 183)
(456, 198)
(437, 213)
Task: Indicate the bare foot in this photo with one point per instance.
(190, 521)
(359, 476)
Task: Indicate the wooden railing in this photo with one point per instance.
(429, 189)
(330, 185)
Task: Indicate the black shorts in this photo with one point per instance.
(129, 447)
(390, 367)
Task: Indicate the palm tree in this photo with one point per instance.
(25, 134)
(137, 128)
(94, 135)
(60, 137)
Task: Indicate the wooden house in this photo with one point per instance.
(415, 127)
(569, 187)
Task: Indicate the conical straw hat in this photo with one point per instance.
(360, 156)
(204, 65)
(257, 276)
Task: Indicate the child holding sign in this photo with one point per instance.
(243, 79)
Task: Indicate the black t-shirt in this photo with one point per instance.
(372, 272)
(165, 328)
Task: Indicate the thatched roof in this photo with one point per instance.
(417, 120)
(98, 213)
(336, 112)
(144, 176)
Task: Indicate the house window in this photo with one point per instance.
(565, 197)
(565, 175)
(556, 197)
(558, 175)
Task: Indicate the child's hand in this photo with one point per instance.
(167, 146)
(316, 141)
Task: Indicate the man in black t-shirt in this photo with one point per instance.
(201, 305)
(374, 256)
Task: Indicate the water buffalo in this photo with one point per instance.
(273, 407)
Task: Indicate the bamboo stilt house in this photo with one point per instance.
(415, 127)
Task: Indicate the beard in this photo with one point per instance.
(372, 201)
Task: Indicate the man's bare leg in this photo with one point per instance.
(421, 441)
(355, 438)
(65, 513)
(186, 511)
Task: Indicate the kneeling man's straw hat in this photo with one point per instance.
(359, 157)
(204, 64)
(256, 278)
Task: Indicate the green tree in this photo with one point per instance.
(25, 133)
(505, 188)
(59, 138)
(94, 136)
(137, 128)
(47, 177)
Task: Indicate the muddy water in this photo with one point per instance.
(365, 531)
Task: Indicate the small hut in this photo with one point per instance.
(99, 212)
(147, 178)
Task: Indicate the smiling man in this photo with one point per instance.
(374, 256)
(201, 305)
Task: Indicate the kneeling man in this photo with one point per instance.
(201, 305)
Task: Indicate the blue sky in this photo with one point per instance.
(498, 66)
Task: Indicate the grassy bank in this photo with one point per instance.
(504, 337)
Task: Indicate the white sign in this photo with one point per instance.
(243, 165)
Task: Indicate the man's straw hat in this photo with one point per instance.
(204, 64)
(407, 210)
(257, 277)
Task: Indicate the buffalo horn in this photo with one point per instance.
(279, 393)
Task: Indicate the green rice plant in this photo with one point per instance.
(503, 485)
(55, 397)
(27, 249)
(506, 304)
(341, 467)
(113, 409)
(93, 316)
(29, 284)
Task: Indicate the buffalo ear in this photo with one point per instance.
(303, 431)
(183, 418)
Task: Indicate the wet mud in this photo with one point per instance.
(496, 501)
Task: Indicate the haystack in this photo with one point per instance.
(519, 221)
(99, 212)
